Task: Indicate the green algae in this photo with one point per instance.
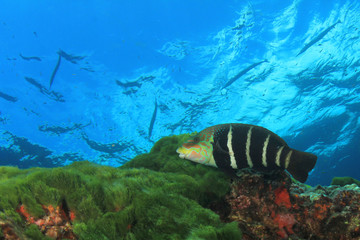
(33, 232)
(207, 182)
(342, 181)
(154, 196)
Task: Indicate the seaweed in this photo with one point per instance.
(342, 181)
(154, 196)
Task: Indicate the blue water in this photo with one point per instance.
(121, 59)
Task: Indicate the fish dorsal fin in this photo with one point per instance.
(277, 137)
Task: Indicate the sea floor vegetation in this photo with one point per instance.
(160, 196)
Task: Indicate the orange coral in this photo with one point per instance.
(282, 197)
(21, 209)
(285, 222)
(282, 210)
(321, 211)
(72, 216)
(55, 224)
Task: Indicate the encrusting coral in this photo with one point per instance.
(276, 207)
(160, 196)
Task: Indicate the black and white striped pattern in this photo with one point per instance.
(241, 146)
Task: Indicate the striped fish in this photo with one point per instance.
(236, 146)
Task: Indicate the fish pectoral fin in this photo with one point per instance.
(218, 147)
(232, 173)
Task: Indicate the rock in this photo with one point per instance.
(278, 208)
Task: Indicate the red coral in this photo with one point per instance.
(275, 208)
(21, 209)
(285, 221)
(321, 211)
(282, 197)
(72, 216)
(55, 223)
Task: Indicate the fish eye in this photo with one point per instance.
(196, 139)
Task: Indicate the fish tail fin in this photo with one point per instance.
(300, 164)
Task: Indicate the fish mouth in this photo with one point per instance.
(181, 155)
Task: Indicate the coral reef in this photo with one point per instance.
(160, 196)
(276, 207)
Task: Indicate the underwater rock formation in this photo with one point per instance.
(277, 208)
(160, 196)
